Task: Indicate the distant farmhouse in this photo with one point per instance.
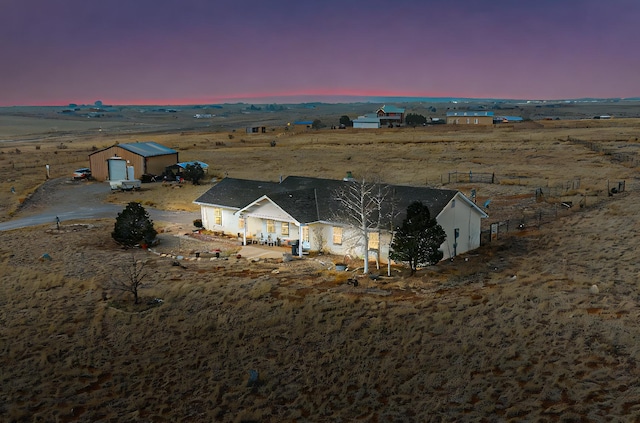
(301, 211)
(390, 115)
(145, 157)
(470, 118)
(384, 116)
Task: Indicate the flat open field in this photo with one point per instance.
(514, 331)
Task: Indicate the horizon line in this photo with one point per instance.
(310, 98)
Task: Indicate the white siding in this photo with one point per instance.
(366, 125)
(465, 218)
(229, 220)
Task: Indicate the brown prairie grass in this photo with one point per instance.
(509, 332)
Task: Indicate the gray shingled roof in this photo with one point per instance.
(300, 204)
(237, 193)
(313, 199)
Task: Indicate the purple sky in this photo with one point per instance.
(55, 52)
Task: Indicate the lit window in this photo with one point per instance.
(285, 229)
(271, 226)
(305, 233)
(217, 216)
(337, 235)
(241, 223)
(374, 240)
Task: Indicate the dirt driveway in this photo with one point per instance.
(67, 199)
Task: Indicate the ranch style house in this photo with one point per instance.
(302, 211)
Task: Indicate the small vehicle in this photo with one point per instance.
(82, 173)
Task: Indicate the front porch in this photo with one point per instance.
(260, 251)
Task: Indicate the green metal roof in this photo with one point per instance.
(391, 109)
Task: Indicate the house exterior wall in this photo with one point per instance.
(470, 120)
(394, 117)
(153, 165)
(458, 214)
(230, 220)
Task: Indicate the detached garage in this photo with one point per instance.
(146, 158)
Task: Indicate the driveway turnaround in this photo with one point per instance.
(76, 200)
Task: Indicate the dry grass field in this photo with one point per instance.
(514, 331)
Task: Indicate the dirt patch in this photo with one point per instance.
(64, 195)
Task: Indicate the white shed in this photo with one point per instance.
(367, 121)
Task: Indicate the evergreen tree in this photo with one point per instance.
(418, 240)
(193, 173)
(414, 120)
(344, 120)
(133, 226)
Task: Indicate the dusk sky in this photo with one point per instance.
(55, 52)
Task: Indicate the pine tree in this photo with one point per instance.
(133, 226)
(418, 240)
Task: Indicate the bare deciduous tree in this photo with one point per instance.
(130, 276)
(362, 202)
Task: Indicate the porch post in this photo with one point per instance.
(244, 230)
(300, 241)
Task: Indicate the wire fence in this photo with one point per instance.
(542, 207)
(457, 177)
(630, 158)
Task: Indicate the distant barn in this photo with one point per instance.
(147, 158)
(256, 129)
(302, 125)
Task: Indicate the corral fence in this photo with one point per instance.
(630, 158)
(545, 208)
(528, 219)
(457, 177)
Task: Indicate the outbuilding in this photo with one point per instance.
(147, 158)
(369, 121)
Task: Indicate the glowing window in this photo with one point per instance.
(271, 226)
(217, 216)
(305, 233)
(374, 240)
(285, 229)
(337, 235)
